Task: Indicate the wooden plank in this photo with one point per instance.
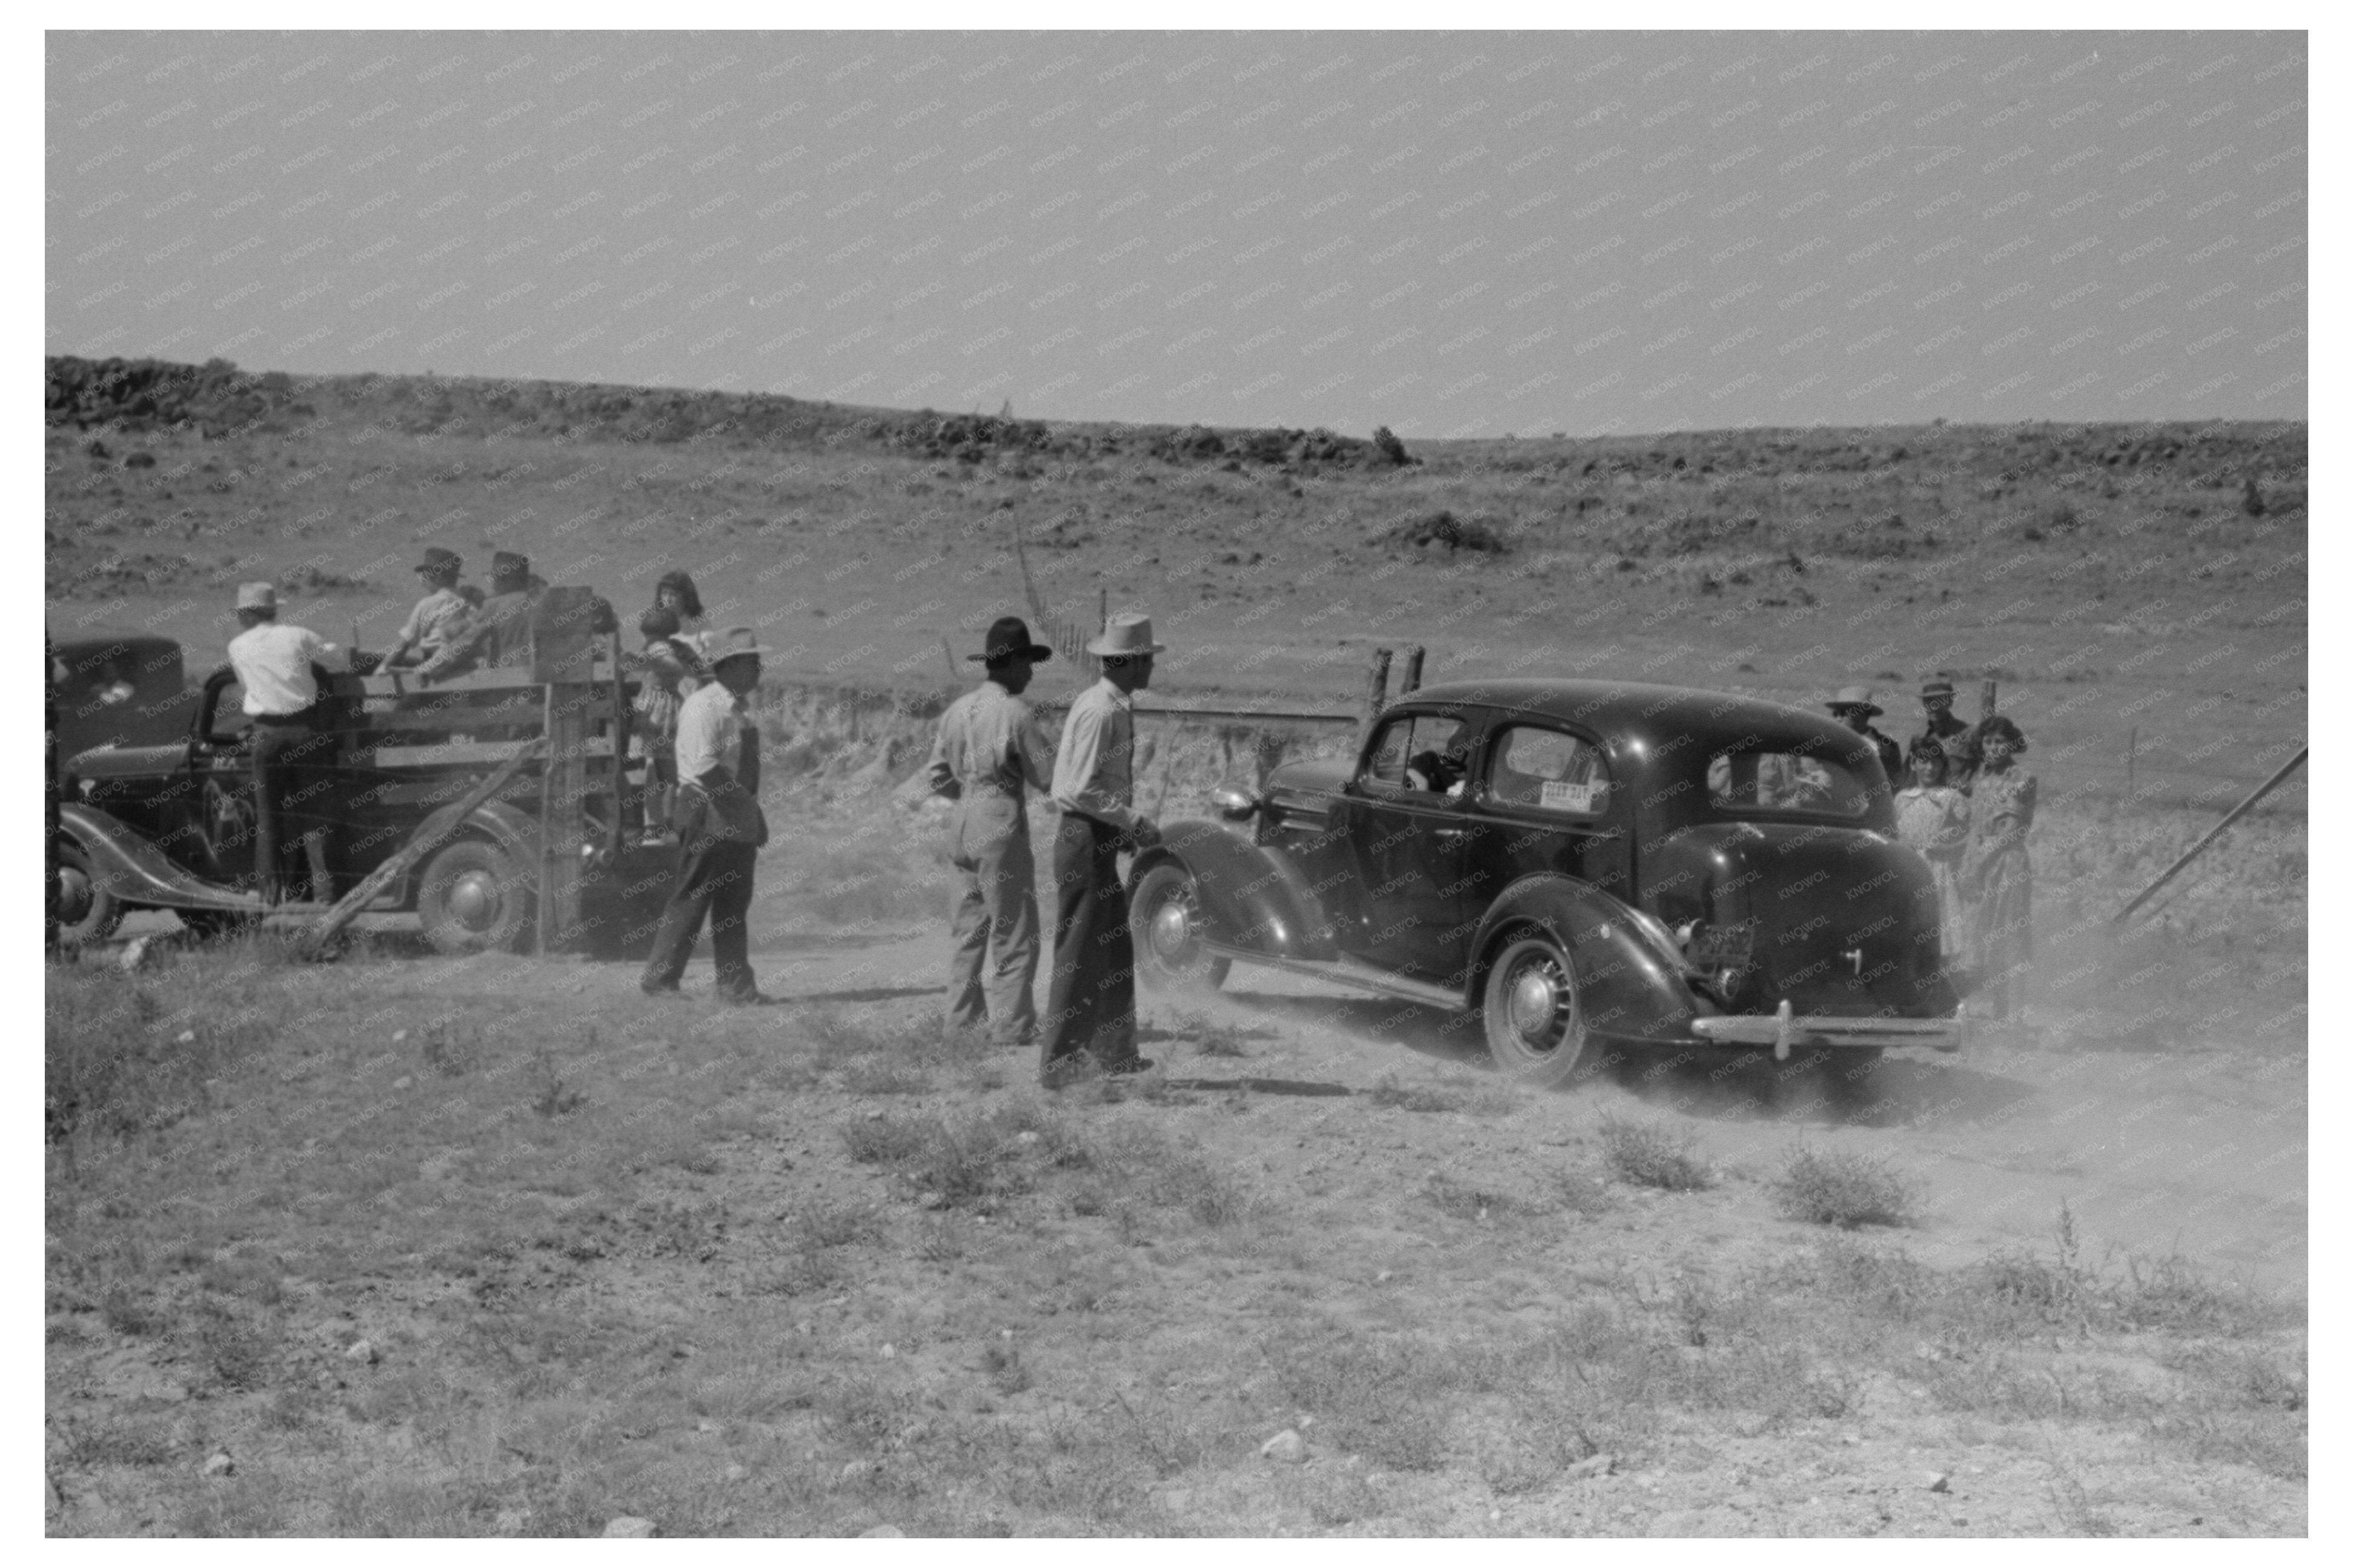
(464, 754)
(564, 786)
(420, 844)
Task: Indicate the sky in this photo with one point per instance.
(1469, 234)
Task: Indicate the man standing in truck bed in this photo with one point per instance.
(987, 758)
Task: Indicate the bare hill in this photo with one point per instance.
(2124, 582)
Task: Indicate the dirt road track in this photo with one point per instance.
(2201, 1153)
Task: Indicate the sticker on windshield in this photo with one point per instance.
(1559, 797)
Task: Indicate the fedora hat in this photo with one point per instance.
(257, 596)
(1128, 636)
(1008, 638)
(1854, 697)
(437, 559)
(735, 642)
(1936, 686)
(506, 566)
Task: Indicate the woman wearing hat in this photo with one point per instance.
(1995, 871)
(988, 756)
(1091, 1000)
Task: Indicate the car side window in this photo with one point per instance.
(1422, 752)
(228, 721)
(1551, 771)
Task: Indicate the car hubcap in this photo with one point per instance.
(73, 895)
(1172, 930)
(474, 900)
(1539, 1004)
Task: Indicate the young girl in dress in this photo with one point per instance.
(1995, 871)
(1932, 817)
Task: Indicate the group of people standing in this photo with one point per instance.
(1964, 803)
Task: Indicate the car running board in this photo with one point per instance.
(1352, 972)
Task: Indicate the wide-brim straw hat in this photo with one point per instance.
(1854, 697)
(733, 642)
(1127, 636)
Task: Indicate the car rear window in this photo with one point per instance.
(1775, 782)
(1551, 771)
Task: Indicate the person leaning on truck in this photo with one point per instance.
(294, 775)
(990, 754)
(719, 825)
(1091, 1000)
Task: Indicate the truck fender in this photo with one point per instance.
(1626, 986)
(129, 865)
(499, 821)
(1253, 899)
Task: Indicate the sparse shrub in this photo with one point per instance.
(1384, 440)
(1460, 1199)
(1444, 528)
(1845, 1188)
(128, 1313)
(237, 1351)
(1650, 1156)
(555, 1098)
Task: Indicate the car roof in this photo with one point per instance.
(1621, 710)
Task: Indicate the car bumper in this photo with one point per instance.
(1786, 1029)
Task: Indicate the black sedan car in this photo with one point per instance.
(1590, 866)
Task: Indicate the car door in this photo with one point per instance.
(1544, 802)
(217, 826)
(1404, 817)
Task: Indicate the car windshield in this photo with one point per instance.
(1744, 781)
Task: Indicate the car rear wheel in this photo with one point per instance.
(87, 912)
(1536, 1028)
(1165, 919)
(474, 897)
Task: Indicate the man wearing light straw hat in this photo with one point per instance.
(1091, 996)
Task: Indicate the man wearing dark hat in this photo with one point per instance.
(1853, 708)
(1957, 740)
(988, 756)
(442, 616)
(501, 634)
(1090, 1000)
(719, 823)
(293, 759)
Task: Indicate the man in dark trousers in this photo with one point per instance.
(294, 774)
(719, 823)
(1090, 1001)
(987, 758)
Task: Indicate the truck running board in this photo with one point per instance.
(1355, 974)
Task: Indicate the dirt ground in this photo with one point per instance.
(684, 1295)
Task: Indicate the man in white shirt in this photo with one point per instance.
(295, 776)
(719, 823)
(1090, 998)
(988, 755)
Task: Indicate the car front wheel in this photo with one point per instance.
(1164, 918)
(1536, 1029)
(473, 898)
(87, 912)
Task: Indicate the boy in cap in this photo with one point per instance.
(1853, 708)
(988, 755)
(1090, 1001)
(442, 616)
(719, 823)
(500, 632)
(292, 759)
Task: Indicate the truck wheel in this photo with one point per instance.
(1165, 919)
(1536, 1029)
(474, 897)
(87, 912)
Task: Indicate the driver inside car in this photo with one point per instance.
(1436, 772)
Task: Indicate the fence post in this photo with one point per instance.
(1376, 684)
(1411, 681)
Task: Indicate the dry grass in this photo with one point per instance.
(1845, 1188)
(1651, 1154)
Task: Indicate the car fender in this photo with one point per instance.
(1627, 988)
(1253, 899)
(129, 865)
